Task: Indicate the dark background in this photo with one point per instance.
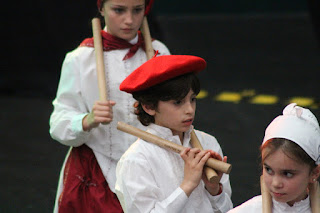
(264, 47)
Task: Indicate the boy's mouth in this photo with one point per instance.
(188, 121)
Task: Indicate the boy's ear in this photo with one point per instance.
(149, 109)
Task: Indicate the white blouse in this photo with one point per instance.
(149, 178)
(254, 205)
(77, 92)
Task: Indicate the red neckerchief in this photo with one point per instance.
(111, 42)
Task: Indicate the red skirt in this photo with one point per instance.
(85, 188)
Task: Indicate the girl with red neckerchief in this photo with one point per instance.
(87, 125)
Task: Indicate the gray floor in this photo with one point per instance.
(268, 54)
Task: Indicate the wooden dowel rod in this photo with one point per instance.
(211, 162)
(98, 48)
(314, 193)
(266, 197)
(212, 175)
(147, 38)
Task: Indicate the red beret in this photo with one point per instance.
(160, 69)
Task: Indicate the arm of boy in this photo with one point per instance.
(195, 160)
(101, 113)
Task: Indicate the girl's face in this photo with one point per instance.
(176, 115)
(286, 179)
(123, 18)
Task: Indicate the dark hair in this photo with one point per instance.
(290, 148)
(174, 89)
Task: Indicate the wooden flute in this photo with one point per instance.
(211, 162)
(211, 174)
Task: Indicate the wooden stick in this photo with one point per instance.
(98, 48)
(266, 197)
(314, 193)
(147, 38)
(210, 173)
(211, 162)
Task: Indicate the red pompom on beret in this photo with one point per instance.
(160, 69)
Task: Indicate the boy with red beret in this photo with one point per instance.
(153, 179)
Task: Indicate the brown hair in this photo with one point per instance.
(174, 89)
(290, 148)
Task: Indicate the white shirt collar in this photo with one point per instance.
(134, 40)
(166, 134)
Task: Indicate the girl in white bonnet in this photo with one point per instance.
(290, 159)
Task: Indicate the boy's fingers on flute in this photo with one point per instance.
(212, 175)
(204, 160)
(194, 152)
(190, 153)
(184, 151)
(217, 156)
(195, 158)
(225, 159)
(202, 157)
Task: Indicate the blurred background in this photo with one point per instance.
(261, 55)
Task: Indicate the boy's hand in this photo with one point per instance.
(101, 113)
(213, 188)
(194, 160)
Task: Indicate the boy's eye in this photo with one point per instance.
(288, 174)
(193, 99)
(177, 102)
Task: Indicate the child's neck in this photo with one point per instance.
(181, 136)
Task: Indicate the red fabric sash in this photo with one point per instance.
(111, 42)
(85, 189)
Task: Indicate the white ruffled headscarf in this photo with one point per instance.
(298, 125)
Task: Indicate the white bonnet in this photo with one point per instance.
(298, 125)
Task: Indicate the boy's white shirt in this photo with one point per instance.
(148, 178)
(254, 205)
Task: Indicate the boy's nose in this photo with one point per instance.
(189, 108)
